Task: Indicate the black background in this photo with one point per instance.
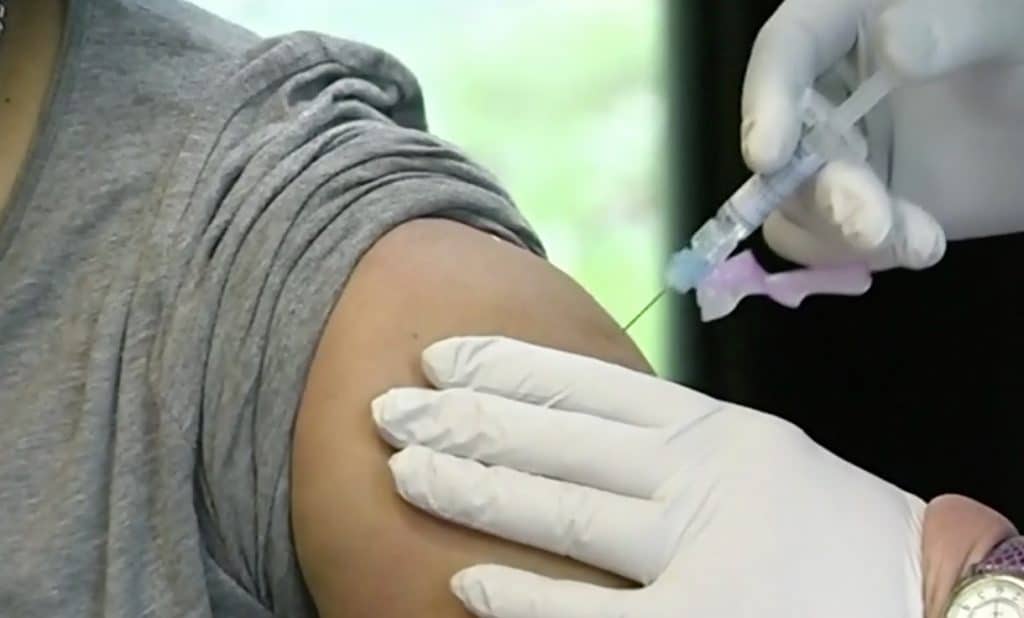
(919, 381)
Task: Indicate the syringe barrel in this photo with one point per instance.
(751, 204)
(760, 195)
(737, 219)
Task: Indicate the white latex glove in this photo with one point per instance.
(946, 147)
(718, 510)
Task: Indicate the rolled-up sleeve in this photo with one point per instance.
(325, 152)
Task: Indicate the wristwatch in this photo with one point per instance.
(995, 586)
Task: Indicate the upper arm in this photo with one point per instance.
(363, 552)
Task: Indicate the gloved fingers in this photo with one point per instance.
(844, 194)
(920, 39)
(917, 240)
(616, 533)
(919, 244)
(494, 591)
(842, 216)
(847, 216)
(794, 242)
(568, 446)
(801, 41)
(854, 204)
(556, 379)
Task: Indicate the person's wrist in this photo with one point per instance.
(958, 533)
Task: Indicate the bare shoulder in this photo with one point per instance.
(364, 552)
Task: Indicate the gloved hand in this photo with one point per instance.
(946, 148)
(716, 509)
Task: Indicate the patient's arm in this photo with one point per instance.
(364, 552)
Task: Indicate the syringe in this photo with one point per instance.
(829, 133)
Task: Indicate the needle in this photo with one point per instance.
(650, 304)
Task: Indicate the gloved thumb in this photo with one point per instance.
(493, 591)
(921, 39)
(848, 216)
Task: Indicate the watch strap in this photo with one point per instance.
(1006, 558)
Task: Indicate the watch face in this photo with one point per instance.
(991, 596)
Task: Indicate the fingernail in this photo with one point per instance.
(923, 239)
(746, 130)
(746, 125)
(472, 594)
(397, 413)
(379, 409)
(919, 251)
(457, 585)
(865, 231)
(938, 248)
(406, 461)
(831, 207)
(381, 413)
(411, 469)
(401, 465)
(400, 461)
(758, 156)
(437, 360)
(930, 249)
(839, 205)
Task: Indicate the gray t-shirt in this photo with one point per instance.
(188, 218)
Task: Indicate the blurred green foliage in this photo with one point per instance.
(562, 99)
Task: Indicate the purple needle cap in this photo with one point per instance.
(741, 276)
